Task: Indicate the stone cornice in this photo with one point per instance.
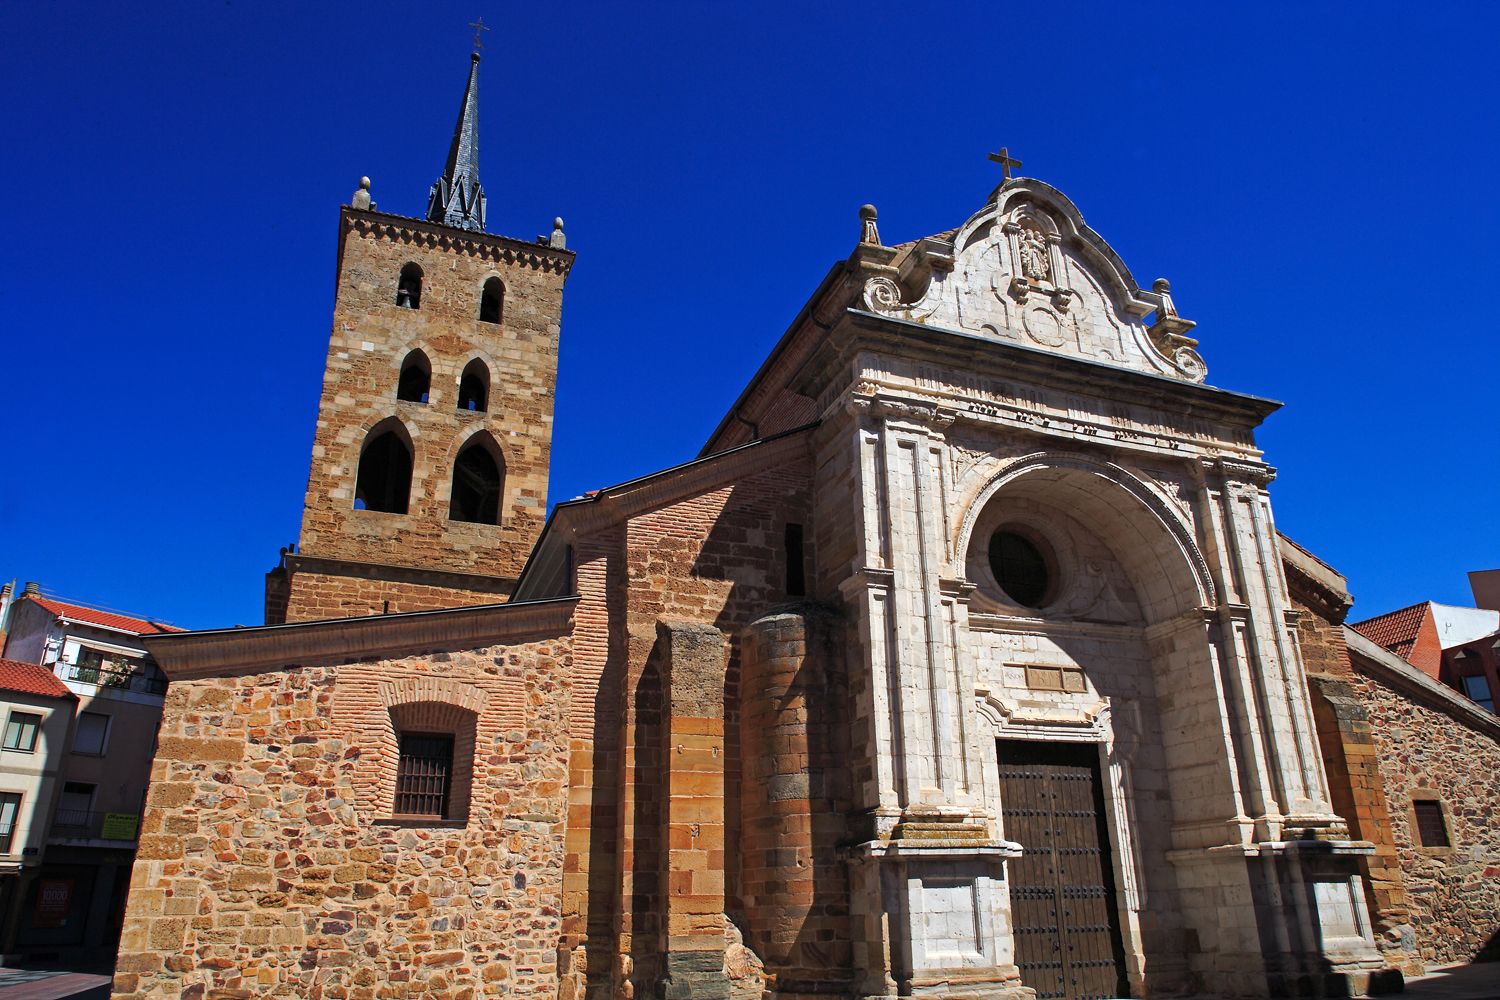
(974, 352)
(304, 562)
(399, 228)
(1324, 589)
(225, 652)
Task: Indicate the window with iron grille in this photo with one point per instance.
(424, 776)
(1432, 830)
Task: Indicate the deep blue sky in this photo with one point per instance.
(1317, 181)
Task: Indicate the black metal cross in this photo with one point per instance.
(1006, 163)
(478, 26)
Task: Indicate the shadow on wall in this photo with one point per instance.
(1490, 950)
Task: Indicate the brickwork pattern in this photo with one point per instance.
(794, 738)
(1453, 895)
(713, 558)
(319, 596)
(269, 866)
(1349, 751)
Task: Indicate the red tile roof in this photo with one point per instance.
(1395, 631)
(107, 619)
(28, 678)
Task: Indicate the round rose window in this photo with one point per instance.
(1019, 568)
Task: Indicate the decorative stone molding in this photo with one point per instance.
(1159, 509)
(399, 229)
(884, 296)
(1090, 725)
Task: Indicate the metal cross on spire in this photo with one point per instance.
(1006, 162)
(478, 26)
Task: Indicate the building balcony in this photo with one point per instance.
(112, 678)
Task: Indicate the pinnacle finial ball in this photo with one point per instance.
(557, 223)
(1161, 285)
(867, 213)
(364, 183)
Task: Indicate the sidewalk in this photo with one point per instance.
(1480, 981)
(24, 984)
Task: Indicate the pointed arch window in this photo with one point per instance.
(492, 301)
(383, 482)
(474, 387)
(416, 378)
(409, 287)
(478, 482)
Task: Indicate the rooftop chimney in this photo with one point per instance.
(1485, 583)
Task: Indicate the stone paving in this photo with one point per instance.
(1480, 981)
(36, 984)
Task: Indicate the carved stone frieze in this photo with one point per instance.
(481, 245)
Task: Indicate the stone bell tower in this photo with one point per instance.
(428, 482)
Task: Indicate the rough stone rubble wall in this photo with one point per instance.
(265, 869)
(1454, 895)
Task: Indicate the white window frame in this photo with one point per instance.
(36, 735)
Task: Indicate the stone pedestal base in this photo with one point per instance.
(694, 975)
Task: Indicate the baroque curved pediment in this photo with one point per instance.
(1026, 268)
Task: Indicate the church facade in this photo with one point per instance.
(966, 660)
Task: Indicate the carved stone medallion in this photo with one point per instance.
(1043, 327)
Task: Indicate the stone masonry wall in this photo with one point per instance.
(270, 864)
(1426, 752)
(371, 338)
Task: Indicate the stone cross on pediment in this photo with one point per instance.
(1006, 161)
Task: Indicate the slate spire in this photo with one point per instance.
(457, 199)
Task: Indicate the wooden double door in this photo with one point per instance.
(1062, 890)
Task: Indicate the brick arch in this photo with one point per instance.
(428, 717)
(425, 704)
(405, 690)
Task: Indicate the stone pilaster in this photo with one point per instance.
(693, 838)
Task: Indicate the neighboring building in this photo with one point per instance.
(36, 721)
(1457, 646)
(75, 898)
(965, 660)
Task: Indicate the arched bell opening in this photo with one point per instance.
(478, 482)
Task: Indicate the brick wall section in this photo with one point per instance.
(267, 864)
(1354, 780)
(713, 558)
(1424, 751)
(319, 596)
(794, 794)
(591, 878)
(371, 338)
